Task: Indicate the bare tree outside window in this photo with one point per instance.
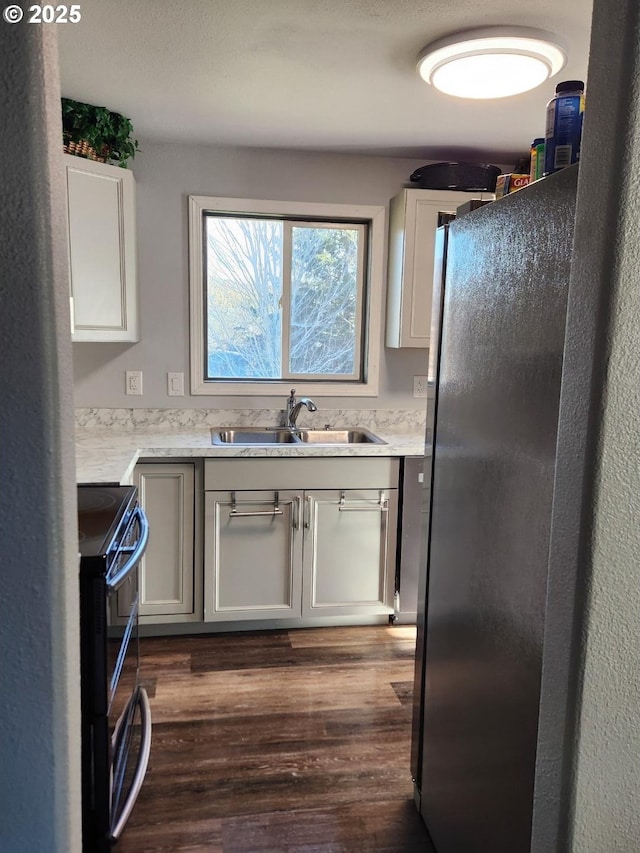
(284, 298)
(323, 305)
(244, 293)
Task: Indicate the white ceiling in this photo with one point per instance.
(323, 75)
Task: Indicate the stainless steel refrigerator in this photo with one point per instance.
(499, 324)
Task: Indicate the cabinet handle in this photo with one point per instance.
(235, 514)
(242, 514)
(381, 506)
(297, 512)
(307, 513)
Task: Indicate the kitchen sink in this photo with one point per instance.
(338, 436)
(257, 436)
(252, 435)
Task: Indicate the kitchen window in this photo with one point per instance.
(282, 294)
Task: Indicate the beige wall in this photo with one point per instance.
(166, 174)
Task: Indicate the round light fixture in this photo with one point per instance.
(493, 62)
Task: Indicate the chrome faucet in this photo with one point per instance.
(294, 406)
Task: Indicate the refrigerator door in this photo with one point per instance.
(492, 488)
(440, 256)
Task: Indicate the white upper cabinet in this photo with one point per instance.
(102, 251)
(413, 221)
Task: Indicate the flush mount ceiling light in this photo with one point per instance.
(493, 62)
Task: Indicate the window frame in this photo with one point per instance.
(373, 215)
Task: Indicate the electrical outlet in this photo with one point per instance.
(420, 386)
(175, 384)
(133, 379)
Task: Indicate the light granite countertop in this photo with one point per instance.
(109, 455)
(109, 442)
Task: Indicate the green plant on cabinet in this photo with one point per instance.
(97, 133)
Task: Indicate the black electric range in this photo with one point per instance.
(103, 515)
(116, 721)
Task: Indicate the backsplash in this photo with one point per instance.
(399, 421)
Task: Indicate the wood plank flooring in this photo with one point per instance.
(279, 742)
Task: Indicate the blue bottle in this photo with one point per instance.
(564, 126)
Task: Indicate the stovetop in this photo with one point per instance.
(101, 511)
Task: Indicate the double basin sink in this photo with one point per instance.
(257, 436)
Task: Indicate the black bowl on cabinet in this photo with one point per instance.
(467, 177)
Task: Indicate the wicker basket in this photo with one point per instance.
(82, 149)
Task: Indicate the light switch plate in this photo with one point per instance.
(420, 386)
(175, 384)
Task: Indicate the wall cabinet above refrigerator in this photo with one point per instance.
(413, 219)
(102, 251)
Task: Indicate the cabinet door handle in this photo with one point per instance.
(242, 514)
(235, 514)
(307, 513)
(297, 512)
(381, 506)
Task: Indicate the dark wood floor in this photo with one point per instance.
(279, 742)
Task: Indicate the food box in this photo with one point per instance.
(510, 183)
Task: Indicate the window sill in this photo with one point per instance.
(212, 388)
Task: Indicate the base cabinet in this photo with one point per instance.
(346, 553)
(167, 592)
(299, 553)
(253, 555)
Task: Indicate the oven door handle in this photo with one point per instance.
(137, 550)
(141, 765)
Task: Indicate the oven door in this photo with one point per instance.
(129, 717)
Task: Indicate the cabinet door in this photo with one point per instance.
(412, 227)
(166, 493)
(349, 552)
(102, 252)
(253, 555)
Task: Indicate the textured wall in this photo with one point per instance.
(606, 807)
(166, 174)
(39, 700)
(607, 783)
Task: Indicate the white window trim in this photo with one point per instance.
(373, 214)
